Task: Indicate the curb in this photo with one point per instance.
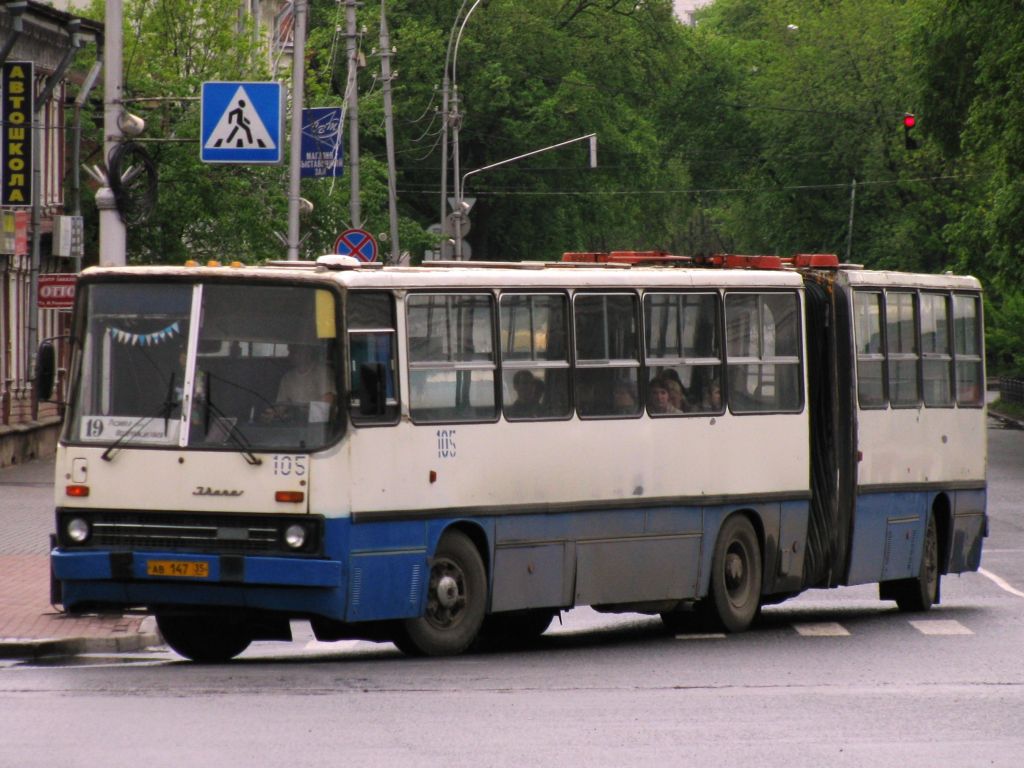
(146, 637)
(1007, 420)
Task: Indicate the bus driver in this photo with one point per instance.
(306, 382)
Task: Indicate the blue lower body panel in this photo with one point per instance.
(368, 572)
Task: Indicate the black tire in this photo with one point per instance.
(734, 595)
(204, 639)
(456, 601)
(515, 629)
(920, 593)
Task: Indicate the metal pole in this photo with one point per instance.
(355, 213)
(456, 167)
(445, 91)
(113, 238)
(76, 162)
(849, 229)
(295, 151)
(444, 152)
(389, 132)
(456, 122)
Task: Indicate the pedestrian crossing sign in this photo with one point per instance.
(242, 123)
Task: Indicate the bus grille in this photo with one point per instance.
(189, 532)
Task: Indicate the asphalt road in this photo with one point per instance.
(831, 678)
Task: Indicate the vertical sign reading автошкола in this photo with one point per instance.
(16, 135)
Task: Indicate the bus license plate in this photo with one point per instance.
(189, 569)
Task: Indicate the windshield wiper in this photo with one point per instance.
(165, 410)
(232, 432)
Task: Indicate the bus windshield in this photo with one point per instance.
(212, 366)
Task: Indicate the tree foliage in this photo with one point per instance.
(772, 126)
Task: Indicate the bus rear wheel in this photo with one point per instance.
(205, 639)
(456, 601)
(920, 593)
(734, 595)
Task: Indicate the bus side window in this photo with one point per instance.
(901, 347)
(763, 352)
(451, 357)
(534, 343)
(967, 349)
(683, 348)
(868, 313)
(607, 354)
(373, 397)
(936, 352)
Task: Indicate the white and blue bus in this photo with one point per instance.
(437, 456)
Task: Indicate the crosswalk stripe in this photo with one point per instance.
(821, 629)
(940, 627)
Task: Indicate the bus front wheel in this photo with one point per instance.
(205, 639)
(456, 601)
(734, 595)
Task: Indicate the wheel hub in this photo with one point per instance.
(447, 591)
(733, 570)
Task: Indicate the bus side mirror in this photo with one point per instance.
(46, 370)
(372, 393)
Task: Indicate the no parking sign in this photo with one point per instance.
(358, 243)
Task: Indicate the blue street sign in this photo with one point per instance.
(358, 243)
(322, 154)
(242, 123)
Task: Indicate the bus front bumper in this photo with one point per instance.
(134, 579)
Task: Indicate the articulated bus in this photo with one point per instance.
(442, 456)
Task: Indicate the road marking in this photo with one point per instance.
(822, 629)
(940, 627)
(1000, 582)
(705, 636)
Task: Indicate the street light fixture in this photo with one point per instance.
(462, 208)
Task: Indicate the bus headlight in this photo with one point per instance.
(78, 530)
(295, 536)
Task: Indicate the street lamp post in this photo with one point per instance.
(450, 115)
(457, 122)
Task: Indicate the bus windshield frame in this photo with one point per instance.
(214, 365)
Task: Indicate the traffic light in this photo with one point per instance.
(909, 121)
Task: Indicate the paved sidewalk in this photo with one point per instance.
(29, 625)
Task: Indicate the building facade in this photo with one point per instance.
(37, 45)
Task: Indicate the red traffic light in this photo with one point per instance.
(909, 121)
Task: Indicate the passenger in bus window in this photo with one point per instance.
(529, 392)
(713, 397)
(624, 398)
(674, 386)
(658, 400)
